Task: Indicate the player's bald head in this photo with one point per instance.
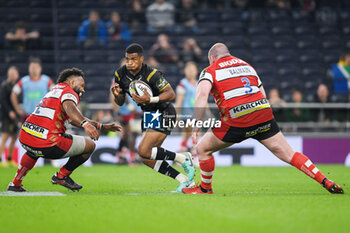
(217, 51)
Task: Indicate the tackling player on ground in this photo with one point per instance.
(245, 112)
(43, 132)
(150, 150)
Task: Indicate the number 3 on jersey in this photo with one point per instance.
(247, 85)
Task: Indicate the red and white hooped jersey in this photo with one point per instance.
(235, 87)
(43, 126)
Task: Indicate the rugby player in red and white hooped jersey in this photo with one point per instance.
(245, 113)
(43, 132)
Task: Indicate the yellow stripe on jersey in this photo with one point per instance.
(164, 87)
(151, 74)
(116, 74)
(252, 110)
(33, 133)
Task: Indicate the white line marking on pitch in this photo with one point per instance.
(152, 193)
(30, 194)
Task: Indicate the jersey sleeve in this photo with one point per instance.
(118, 81)
(68, 95)
(205, 75)
(157, 80)
(259, 82)
(17, 88)
(258, 78)
(180, 89)
(51, 84)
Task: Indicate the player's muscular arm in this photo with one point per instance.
(77, 119)
(262, 90)
(200, 104)
(14, 101)
(167, 94)
(201, 101)
(119, 98)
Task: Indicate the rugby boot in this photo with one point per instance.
(188, 166)
(66, 182)
(197, 190)
(13, 188)
(188, 184)
(332, 187)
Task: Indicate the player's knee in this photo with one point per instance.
(200, 150)
(144, 152)
(89, 146)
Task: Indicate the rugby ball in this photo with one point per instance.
(138, 87)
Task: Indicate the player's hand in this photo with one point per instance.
(195, 135)
(21, 112)
(145, 98)
(12, 115)
(115, 89)
(92, 132)
(112, 127)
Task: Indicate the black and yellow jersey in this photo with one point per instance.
(149, 75)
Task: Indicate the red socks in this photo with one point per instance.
(207, 170)
(63, 172)
(26, 164)
(305, 165)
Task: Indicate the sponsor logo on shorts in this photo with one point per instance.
(247, 108)
(35, 130)
(36, 152)
(260, 129)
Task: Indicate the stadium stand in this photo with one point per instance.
(300, 44)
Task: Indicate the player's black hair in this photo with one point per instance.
(35, 60)
(67, 73)
(20, 25)
(135, 48)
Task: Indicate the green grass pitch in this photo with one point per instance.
(137, 199)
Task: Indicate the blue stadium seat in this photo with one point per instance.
(284, 42)
(309, 56)
(332, 42)
(307, 42)
(278, 15)
(258, 28)
(328, 31)
(281, 30)
(305, 29)
(69, 43)
(68, 56)
(93, 56)
(68, 29)
(208, 16)
(260, 42)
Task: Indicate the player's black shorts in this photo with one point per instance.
(168, 115)
(259, 132)
(9, 126)
(67, 146)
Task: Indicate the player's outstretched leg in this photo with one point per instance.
(304, 164)
(27, 163)
(279, 146)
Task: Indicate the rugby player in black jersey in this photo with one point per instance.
(150, 150)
